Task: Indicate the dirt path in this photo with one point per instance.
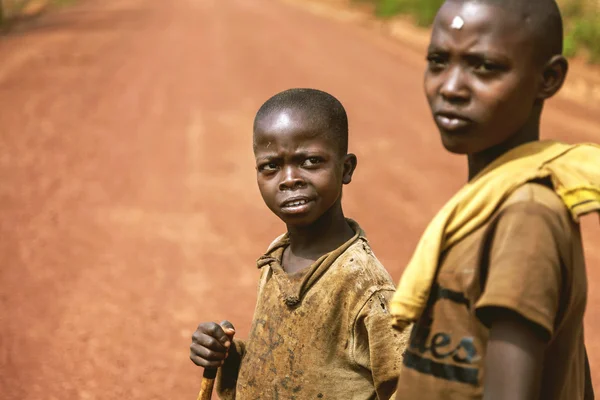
(129, 211)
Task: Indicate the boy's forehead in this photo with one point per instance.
(467, 20)
(272, 143)
(288, 124)
(281, 119)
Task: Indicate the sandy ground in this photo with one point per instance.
(129, 210)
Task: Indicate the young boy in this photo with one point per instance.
(497, 286)
(321, 324)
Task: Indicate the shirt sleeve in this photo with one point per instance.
(378, 347)
(228, 374)
(525, 265)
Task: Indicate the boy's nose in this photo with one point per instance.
(292, 179)
(454, 89)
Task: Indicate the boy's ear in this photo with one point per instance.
(553, 76)
(350, 162)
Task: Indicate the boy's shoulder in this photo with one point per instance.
(538, 193)
(539, 198)
(360, 261)
(276, 242)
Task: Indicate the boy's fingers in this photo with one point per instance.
(206, 354)
(228, 329)
(227, 325)
(210, 342)
(216, 331)
(206, 364)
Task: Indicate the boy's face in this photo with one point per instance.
(300, 170)
(481, 80)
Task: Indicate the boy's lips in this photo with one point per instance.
(295, 205)
(450, 121)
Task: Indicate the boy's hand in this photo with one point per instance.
(211, 344)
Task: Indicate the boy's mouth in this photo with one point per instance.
(295, 205)
(449, 121)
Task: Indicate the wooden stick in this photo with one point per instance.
(208, 381)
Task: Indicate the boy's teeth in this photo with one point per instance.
(297, 203)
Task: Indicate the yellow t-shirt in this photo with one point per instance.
(528, 258)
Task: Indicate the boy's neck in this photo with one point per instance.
(479, 161)
(325, 235)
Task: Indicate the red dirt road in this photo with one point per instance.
(129, 211)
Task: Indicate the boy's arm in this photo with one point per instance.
(228, 373)
(378, 347)
(514, 358)
(521, 292)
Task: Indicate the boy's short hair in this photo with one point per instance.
(321, 109)
(542, 19)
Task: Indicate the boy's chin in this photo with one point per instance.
(454, 146)
(298, 221)
(463, 143)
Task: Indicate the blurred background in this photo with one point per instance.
(129, 211)
(581, 17)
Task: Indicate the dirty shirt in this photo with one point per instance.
(528, 259)
(323, 333)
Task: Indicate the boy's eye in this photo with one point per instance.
(267, 167)
(311, 161)
(436, 62)
(488, 67)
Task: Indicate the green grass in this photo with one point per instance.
(8, 10)
(423, 10)
(61, 3)
(11, 10)
(581, 17)
(570, 45)
(585, 33)
(582, 28)
(11, 7)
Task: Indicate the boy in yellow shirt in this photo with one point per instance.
(497, 287)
